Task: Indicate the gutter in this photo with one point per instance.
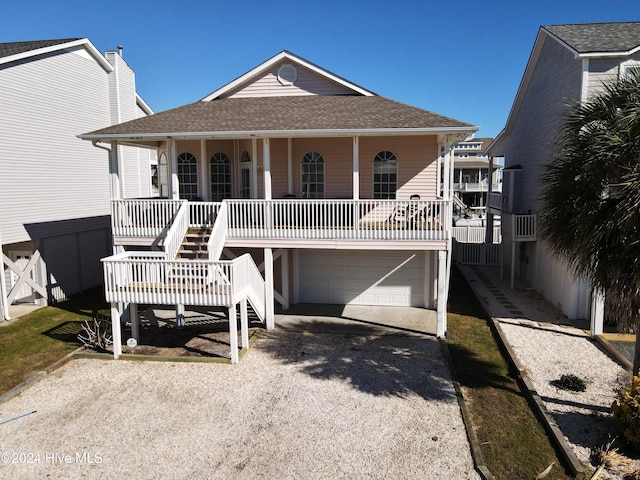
(329, 132)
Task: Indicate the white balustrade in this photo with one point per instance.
(475, 234)
(176, 233)
(339, 219)
(142, 218)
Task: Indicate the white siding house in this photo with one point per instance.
(54, 187)
(335, 192)
(568, 63)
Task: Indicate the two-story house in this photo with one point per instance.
(333, 190)
(472, 172)
(54, 188)
(568, 63)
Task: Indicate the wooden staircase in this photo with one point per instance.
(194, 244)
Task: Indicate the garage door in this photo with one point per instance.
(361, 278)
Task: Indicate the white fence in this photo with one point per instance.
(477, 253)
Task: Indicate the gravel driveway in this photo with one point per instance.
(373, 403)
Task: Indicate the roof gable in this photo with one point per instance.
(293, 74)
(15, 51)
(599, 39)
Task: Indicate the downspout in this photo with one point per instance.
(3, 289)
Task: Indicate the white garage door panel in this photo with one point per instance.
(362, 278)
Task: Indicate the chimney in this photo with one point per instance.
(120, 50)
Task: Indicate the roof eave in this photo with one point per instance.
(81, 42)
(330, 132)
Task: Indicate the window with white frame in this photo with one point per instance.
(220, 166)
(188, 176)
(312, 175)
(385, 175)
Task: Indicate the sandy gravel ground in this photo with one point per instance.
(549, 346)
(300, 405)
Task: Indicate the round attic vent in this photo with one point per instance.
(287, 74)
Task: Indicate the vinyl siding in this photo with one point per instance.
(307, 83)
(556, 79)
(48, 173)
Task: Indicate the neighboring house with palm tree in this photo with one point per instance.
(54, 188)
(341, 196)
(567, 64)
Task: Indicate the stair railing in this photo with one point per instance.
(175, 235)
(215, 244)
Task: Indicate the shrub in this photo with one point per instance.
(570, 382)
(626, 411)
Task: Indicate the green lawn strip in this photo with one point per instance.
(513, 444)
(39, 339)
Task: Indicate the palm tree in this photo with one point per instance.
(590, 212)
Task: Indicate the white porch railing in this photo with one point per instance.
(142, 218)
(471, 186)
(475, 234)
(147, 277)
(524, 228)
(203, 214)
(339, 219)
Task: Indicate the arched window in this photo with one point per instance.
(220, 177)
(188, 176)
(312, 175)
(245, 175)
(385, 175)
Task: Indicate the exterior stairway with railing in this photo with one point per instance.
(194, 244)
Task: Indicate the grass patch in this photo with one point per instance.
(513, 444)
(39, 339)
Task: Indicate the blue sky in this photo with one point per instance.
(462, 59)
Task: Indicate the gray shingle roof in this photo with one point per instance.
(13, 48)
(263, 114)
(598, 37)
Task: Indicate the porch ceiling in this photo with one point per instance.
(312, 115)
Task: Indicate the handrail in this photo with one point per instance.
(248, 282)
(176, 233)
(215, 245)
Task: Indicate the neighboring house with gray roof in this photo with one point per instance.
(568, 63)
(342, 196)
(54, 187)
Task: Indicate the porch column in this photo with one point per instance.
(441, 325)
(284, 263)
(204, 184)
(254, 167)
(116, 331)
(174, 184)
(290, 166)
(244, 323)
(488, 237)
(179, 316)
(114, 174)
(446, 180)
(268, 285)
(356, 168)
(266, 167)
(597, 313)
(135, 321)
(233, 333)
